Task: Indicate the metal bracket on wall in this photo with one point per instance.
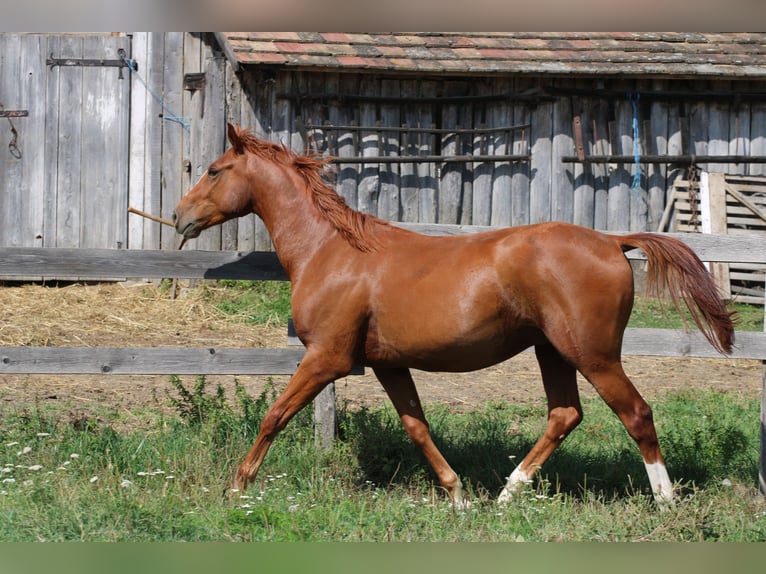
(93, 62)
(14, 113)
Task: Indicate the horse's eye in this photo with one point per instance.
(212, 172)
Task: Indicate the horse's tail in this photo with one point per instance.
(675, 269)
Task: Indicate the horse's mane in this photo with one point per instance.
(356, 227)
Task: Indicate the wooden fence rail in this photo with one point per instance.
(94, 264)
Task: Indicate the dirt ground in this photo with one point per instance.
(141, 315)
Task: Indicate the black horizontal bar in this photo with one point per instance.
(537, 97)
(686, 159)
(92, 62)
(13, 113)
(407, 129)
(430, 159)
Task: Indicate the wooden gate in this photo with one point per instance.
(63, 140)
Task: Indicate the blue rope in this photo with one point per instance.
(168, 115)
(636, 141)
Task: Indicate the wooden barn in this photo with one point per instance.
(466, 128)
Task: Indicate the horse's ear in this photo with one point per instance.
(234, 139)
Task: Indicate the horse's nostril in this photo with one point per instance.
(174, 217)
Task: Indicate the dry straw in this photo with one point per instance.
(121, 315)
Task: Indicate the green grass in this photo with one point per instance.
(258, 302)
(660, 314)
(61, 481)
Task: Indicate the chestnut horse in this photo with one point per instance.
(365, 291)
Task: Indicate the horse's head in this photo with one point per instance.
(222, 193)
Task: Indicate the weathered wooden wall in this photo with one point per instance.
(94, 144)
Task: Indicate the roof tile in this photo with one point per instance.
(595, 53)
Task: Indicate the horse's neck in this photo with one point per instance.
(296, 229)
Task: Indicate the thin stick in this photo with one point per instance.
(150, 216)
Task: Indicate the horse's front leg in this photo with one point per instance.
(401, 390)
(314, 373)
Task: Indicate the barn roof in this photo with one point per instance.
(551, 53)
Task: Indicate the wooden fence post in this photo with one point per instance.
(762, 471)
(324, 417)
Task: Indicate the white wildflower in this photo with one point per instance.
(93, 479)
(74, 455)
(36, 467)
(126, 484)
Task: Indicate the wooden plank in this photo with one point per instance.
(428, 184)
(451, 186)
(104, 147)
(600, 146)
(657, 144)
(562, 178)
(410, 184)
(138, 146)
(681, 343)
(149, 360)
(32, 138)
(172, 158)
(502, 115)
(481, 210)
(283, 361)
(51, 146)
(520, 171)
(12, 165)
(541, 134)
(369, 180)
(619, 205)
(390, 180)
(762, 469)
(713, 192)
(99, 263)
(69, 136)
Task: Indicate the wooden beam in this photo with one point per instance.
(149, 360)
(139, 263)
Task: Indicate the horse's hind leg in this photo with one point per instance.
(400, 388)
(614, 386)
(564, 414)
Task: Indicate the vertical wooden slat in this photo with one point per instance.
(12, 166)
(620, 176)
(138, 145)
(657, 144)
(32, 187)
(482, 170)
(520, 170)
(716, 194)
(341, 114)
(762, 469)
(104, 147)
(739, 135)
(153, 76)
(718, 128)
(390, 180)
(172, 160)
(451, 185)
(502, 114)
(600, 121)
(584, 193)
(428, 192)
(69, 134)
(408, 194)
(562, 178)
(540, 164)
(213, 138)
(369, 180)
(51, 145)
